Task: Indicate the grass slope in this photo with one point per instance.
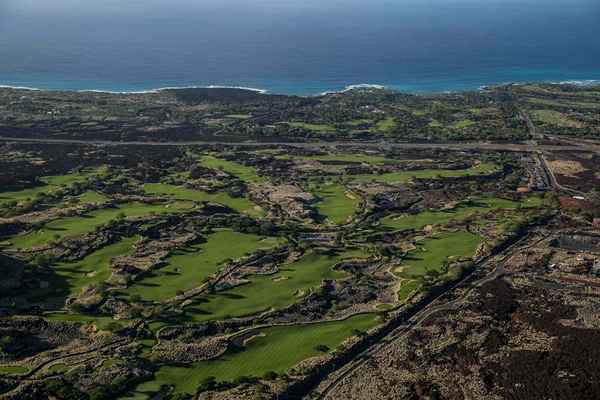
(407, 176)
(243, 172)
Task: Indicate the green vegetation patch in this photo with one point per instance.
(465, 123)
(271, 291)
(12, 369)
(459, 213)
(243, 172)
(318, 128)
(407, 289)
(50, 184)
(565, 104)
(240, 204)
(433, 253)
(274, 349)
(81, 225)
(188, 268)
(335, 202)
(556, 118)
(93, 269)
(407, 176)
(386, 126)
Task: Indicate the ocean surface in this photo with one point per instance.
(303, 47)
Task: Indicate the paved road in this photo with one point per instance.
(527, 148)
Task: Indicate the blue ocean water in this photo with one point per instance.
(296, 46)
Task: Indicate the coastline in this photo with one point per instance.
(390, 87)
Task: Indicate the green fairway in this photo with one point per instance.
(556, 118)
(12, 369)
(349, 158)
(272, 291)
(94, 268)
(407, 176)
(431, 253)
(75, 226)
(276, 349)
(407, 289)
(318, 128)
(386, 126)
(90, 197)
(51, 184)
(459, 213)
(100, 321)
(247, 174)
(188, 268)
(240, 204)
(335, 202)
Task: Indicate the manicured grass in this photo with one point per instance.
(556, 118)
(407, 176)
(90, 197)
(51, 184)
(459, 213)
(386, 126)
(240, 204)
(319, 128)
(565, 104)
(239, 116)
(276, 349)
(407, 289)
(360, 122)
(463, 124)
(349, 158)
(188, 268)
(93, 269)
(12, 369)
(431, 253)
(75, 226)
(243, 172)
(266, 292)
(335, 202)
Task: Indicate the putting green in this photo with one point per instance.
(188, 268)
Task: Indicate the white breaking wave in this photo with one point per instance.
(354, 87)
(149, 91)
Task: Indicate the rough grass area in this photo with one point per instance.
(407, 176)
(459, 213)
(240, 204)
(75, 226)
(275, 349)
(269, 292)
(432, 253)
(243, 172)
(335, 202)
(556, 118)
(343, 158)
(188, 268)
